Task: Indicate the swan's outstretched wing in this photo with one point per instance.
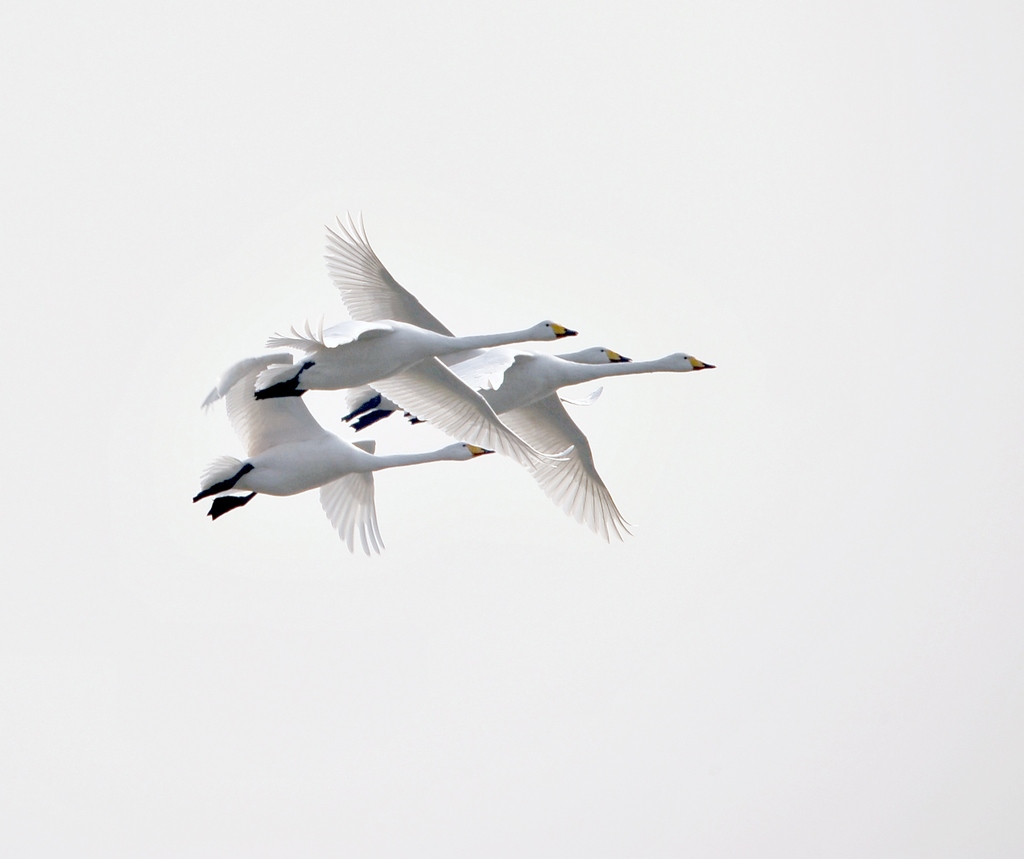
(367, 288)
(349, 505)
(434, 393)
(573, 483)
(263, 424)
(486, 370)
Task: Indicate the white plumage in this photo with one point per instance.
(289, 452)
(520, 386)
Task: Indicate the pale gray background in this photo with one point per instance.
(812, 646)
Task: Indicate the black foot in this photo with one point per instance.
(370, 419)
(224, 485)
(289, 388)
(221, 506)
(371, 403)
(415, 420)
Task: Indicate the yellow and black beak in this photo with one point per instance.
(478, 451)
(616, 358)
(561, 331)
(700, 365)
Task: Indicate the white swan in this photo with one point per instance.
(520, 386)
(511, 378)
(484, 368)
(289, 452)
(350, 354)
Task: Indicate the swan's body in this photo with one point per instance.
(289, 452)
(351, 354)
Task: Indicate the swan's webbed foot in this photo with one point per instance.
(224, 485)
(281, 389)
(371, 403)
(225, 503)
(371, 418)
(287, 388)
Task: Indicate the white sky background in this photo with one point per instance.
(813, 644)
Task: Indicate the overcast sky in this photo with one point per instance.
(813, 644)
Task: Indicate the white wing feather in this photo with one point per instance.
(588, 400)
(434, 393)
(349, 505)
(487, 369)
(310, 340)
(263, 424)
(367, 288)
(230, 377)
(572, 483)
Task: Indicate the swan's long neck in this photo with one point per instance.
(397, 460)
(590, 372)
(486, 341)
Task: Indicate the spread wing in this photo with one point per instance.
(263, 424)
(572, 483)
(367, 288)
(434, 393)
(349, 505)
(487, 369)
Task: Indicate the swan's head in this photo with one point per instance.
(462, 451)
(548, 330)
(596, 355)
(683, 363)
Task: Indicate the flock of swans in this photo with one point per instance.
(394, 355)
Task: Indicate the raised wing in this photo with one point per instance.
(367, 288)
(263, 424)
(349, 505)
(487, 369)
(572, 483)
(434, 393)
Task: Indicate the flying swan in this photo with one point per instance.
(289, 452)
(520, 386)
